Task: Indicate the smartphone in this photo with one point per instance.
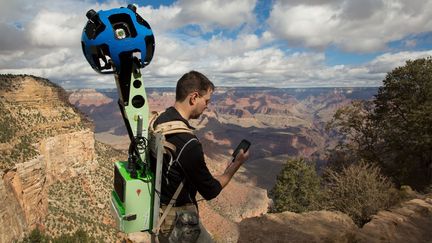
(244, 144)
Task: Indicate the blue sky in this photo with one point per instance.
(277, 43)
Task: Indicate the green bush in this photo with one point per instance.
(359, 190)
(297, 188)
(35, 236)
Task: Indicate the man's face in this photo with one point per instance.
(201, 103)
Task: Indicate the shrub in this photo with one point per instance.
(359, 190)
(35, 236)
(297, 187)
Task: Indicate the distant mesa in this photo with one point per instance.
(89, 97)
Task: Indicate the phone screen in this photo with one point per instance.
(244, 144)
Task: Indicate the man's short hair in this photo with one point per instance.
(192, 81)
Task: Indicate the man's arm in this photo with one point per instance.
(195, 168)
(232, 168)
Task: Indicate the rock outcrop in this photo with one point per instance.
(12, 218)
(48, 141)
(27, 181)
(409, 222)
(76, 150)
(318, 226)
(89, 97)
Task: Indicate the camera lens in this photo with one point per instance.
(120, 34)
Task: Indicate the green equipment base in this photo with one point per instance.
(132, 199)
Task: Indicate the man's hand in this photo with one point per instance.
(241, 157)
(232, 168)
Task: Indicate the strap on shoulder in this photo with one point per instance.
(173, 127)
(179, 188)
(167, 128)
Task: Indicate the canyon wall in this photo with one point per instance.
(50, 141)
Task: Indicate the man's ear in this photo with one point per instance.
(192, 98)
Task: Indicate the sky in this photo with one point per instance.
(273, 43)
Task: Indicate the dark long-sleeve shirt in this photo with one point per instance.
(191, 166)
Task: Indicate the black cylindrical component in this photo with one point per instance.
(132, 7)
(90, 13)
(132, 166)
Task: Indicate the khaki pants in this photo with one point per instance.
(168, 224)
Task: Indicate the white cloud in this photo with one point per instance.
(223, 46)
(386, 62)
(52, 59)
(309, 25)
(47, 42)
(358, 26)
(208, 14)
(161, 19)
(225, 13)
(8, 59)
(56, 29)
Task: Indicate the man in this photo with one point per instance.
(193, 94)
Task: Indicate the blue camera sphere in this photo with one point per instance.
(112, 37)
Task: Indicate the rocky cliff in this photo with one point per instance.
(43, 140)
(409, 222)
